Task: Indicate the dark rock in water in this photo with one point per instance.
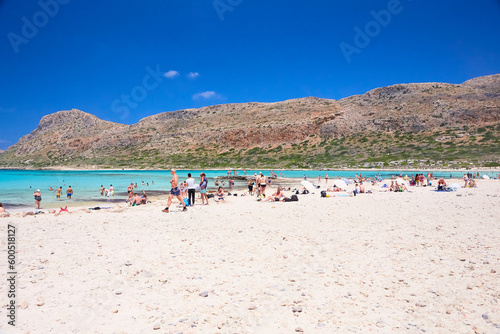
(233, 177)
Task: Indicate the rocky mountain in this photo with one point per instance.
(405, 124)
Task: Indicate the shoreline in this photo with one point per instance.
(238, 188)
(69, 169)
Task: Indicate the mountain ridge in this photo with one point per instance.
(402, 124)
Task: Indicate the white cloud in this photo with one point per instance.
(193, 75)
(171, 74)
(206, 95)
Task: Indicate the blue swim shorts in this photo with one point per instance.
(175, 191)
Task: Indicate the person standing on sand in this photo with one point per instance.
(263, 184)
(203, 189)
(174, 192)
(326, 178)
(191, 186)
(69, 192)
(257, 182)
(250, 187)
(130, 192)
(38, 198)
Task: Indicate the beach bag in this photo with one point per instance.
(323, 193)
(210, 195)
(286, 199)
(294, 198)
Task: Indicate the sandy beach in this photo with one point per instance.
(418, 261)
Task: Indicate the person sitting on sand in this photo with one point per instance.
(357, 189)
(3, 212)
(393, 187)
(441, 185)
(144, 198)
(219, 195)
(472, 183)
(361, 188)
(276, 197)
(137, 200)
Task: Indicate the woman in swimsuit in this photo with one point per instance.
(220, 194)
(203, 189)
(38, 198)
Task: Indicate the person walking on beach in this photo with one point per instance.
(38, 198)
(191, 189)
(203, 189)
(174, 192)
(69, 192)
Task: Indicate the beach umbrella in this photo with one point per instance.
(486, 177)
(308, 185)
(346, 181)
(340, 184)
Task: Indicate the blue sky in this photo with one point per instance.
(125, 60)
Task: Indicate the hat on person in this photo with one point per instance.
(38, 190)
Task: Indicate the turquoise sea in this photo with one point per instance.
(17, 186)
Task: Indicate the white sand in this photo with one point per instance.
(385, 262)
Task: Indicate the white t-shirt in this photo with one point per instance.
(190, 183)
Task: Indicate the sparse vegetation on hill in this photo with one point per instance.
(410, 125)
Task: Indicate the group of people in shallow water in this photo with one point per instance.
(37, 195)
(185, 191)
